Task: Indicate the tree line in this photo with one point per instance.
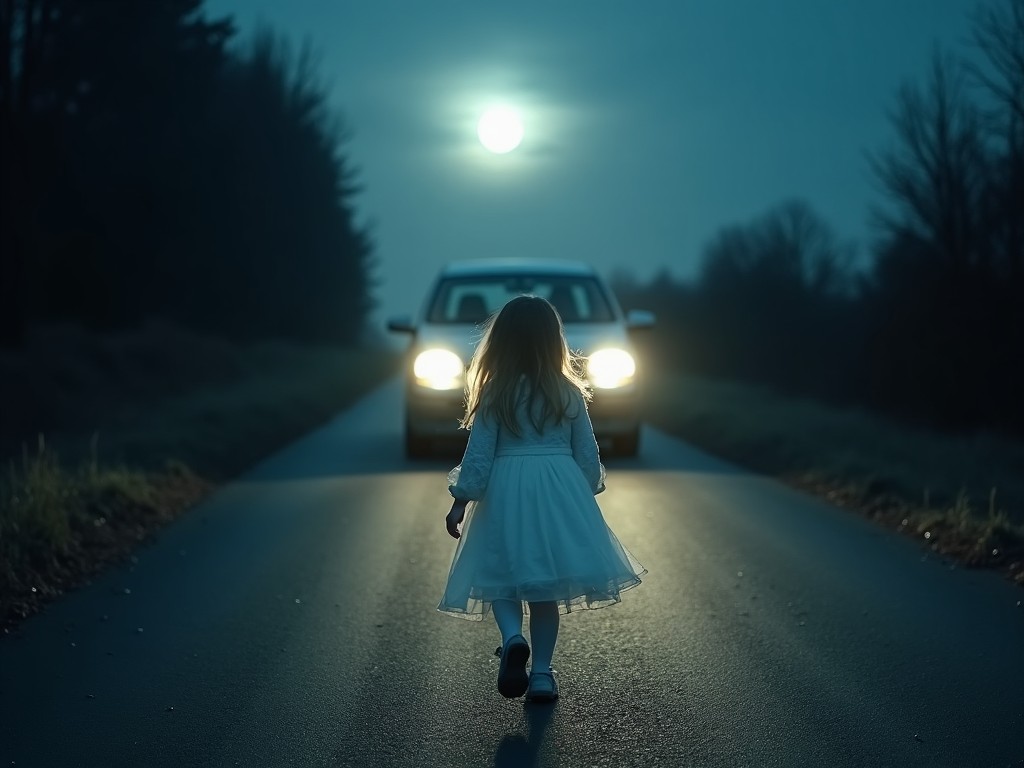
(149, 169)
(932, 327)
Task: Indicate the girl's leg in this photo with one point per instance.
(509, 616)
(543, 633)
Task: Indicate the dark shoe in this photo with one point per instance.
(543, 687)
(512, 677)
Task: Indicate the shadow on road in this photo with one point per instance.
(518, 751)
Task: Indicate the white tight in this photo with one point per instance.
(543, 627)
(509, 615)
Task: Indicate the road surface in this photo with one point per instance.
(289, 621)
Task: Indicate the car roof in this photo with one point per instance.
(503, 266)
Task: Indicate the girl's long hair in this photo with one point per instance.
(525, 341)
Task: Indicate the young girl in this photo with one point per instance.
(531, 530)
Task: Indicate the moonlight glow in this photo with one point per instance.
(500, 130)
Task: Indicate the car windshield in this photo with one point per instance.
(472, 299)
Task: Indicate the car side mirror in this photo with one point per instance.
(401, 324)
(639, 319)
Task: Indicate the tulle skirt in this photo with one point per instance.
(538, 535)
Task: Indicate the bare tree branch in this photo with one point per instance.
(936, 175)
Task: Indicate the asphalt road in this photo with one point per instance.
(289, 621)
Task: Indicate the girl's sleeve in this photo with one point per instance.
(584, 447)
(468, 481)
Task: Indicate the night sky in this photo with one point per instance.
(648, 125)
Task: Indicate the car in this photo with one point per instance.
(447, 330)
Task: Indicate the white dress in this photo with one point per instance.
(533, 531)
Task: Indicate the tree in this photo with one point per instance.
(776, 293)
(25, 36)
(999, 37)
(935, 176)
(281, 251)
(94, 99)
(146, 171)
(936, 297)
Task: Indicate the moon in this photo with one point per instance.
(500, 130)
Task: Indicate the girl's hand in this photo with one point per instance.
(454, 518)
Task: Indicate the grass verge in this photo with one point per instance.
(962, 497)
(137, 455)
(60, 526)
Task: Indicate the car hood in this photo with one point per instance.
(462, 339)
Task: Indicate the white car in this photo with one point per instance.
(466, 293)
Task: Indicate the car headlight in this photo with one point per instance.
(438, 369)
(610, 368)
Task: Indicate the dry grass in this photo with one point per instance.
(58, 526)
(138, 428)
(962, 496)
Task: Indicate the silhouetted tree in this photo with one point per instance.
(137, 153)
(936, 175)
(97, 95)
(777, 294)
(937, 299)
(292, 257)
(146, 171)
(999, 37)
(933, 330)
(773, 303)
(26, 121)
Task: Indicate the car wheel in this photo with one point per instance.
(628, 443)
(416, 447)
